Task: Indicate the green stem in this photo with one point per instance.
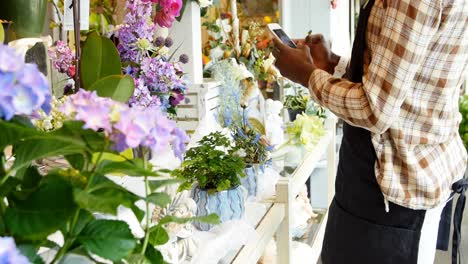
(68, 239)
(148, 217)
(93, 170)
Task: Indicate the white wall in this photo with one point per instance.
(300, 16)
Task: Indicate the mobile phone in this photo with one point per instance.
(279, 33)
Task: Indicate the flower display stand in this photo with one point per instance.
(277, 219)
(202, 100)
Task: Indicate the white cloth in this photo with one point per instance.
(429, 231)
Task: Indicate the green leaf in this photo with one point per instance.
(209, 219)
(31, 178)
(109, 239)
(84, 218)
(30, 252)
(139, 214)
(117, 87)
(104, 196)
(8, 186)
(73, 130)
(158, 236)
(77, 161)
(12, 132)
(100, 58)
(45, 211)
(160, 199)
(68, 140)
(154, 255)
(182, 10)
(43, 147)
(128, 167)
(154, 185)
(138, 259)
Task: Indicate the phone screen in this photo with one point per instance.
(284, 38)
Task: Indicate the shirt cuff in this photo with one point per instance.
(340, 68)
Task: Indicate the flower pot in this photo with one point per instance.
(28, 16)
(250, 180)
(228, 205)
(293, 114)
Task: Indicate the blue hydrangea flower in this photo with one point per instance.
(9, 254)
(23, 88)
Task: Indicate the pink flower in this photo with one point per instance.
(170, 10)
(134, 134)
(164, 19)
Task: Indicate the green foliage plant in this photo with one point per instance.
(213, 165)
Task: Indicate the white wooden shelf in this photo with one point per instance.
(277, 219)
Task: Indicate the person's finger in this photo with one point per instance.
(314, 39)
(276, 54)
(279, 45)
(299, 41)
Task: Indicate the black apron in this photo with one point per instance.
(359, 230)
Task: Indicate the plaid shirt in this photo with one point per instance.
(415, 64)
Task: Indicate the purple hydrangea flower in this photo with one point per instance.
(63, 59)
(137, 26)
(126, 127)
(142, 96)
(23, 88)
(9, 254)
(160, 76)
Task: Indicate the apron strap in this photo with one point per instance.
(459, 187)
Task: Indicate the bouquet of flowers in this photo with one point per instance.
(159, 80)
(253, 52)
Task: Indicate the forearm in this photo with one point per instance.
(349, 101)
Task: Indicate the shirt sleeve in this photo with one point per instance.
(407, 29)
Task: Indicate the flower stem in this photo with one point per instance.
(147, 192)
(69, 238)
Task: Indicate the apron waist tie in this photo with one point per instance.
(459, 187)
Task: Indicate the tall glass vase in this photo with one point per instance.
(28, 16)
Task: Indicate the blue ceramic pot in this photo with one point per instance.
(228, 205)
(251, 175)
(293, 114)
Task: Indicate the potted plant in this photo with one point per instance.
(254, 149)
(296, 101)
(28, 16)
(215, 169)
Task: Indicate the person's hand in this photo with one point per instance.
(295, 64)
(320, 50)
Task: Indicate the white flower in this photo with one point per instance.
(216, 53)
(47, 125)
(240, 71)
(225, 28)
(241, 153)
(205, 3)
